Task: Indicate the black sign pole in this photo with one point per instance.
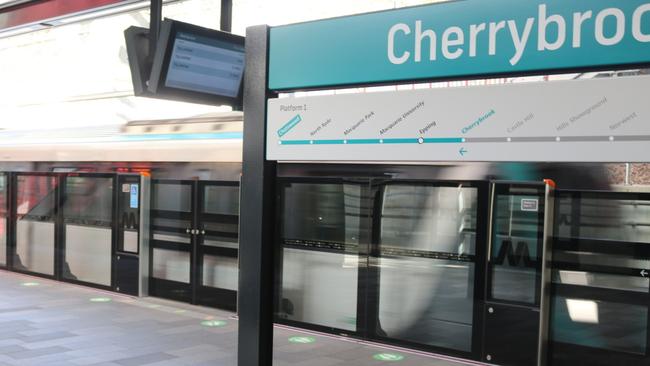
(255, 347)
(226, 15)
(155, 18)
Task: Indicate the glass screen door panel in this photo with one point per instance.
(88, 230)
(426, 265)
(218, 242)
(601, 285)
(35, 223)
(172, 240)
(517, 236)
(321, 230)
(4, 204)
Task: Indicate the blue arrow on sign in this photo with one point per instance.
(462, 151)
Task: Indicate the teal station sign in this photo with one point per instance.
(460, 39)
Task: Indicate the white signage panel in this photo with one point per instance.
(597, 120)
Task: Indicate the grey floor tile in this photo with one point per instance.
(32, 353)
(145, 359)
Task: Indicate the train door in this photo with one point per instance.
(172, 240)
(217, 240)
(518, 275)
(194, 241)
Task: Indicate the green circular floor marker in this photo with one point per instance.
(388, 357)
(100, 299)
(302, 340)
(180, 311)
(154, 306)
(30, 284)
(213, 323)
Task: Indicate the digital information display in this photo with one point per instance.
(205, 65)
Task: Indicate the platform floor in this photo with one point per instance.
(48, 323)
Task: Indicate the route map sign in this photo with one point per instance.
(597, 120)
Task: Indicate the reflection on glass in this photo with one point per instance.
(172, 230)
(516, 243)
(171, 265)
(221, 227)
(426, 280)
(35, 207)
(597, 227)
(222, 200)
(602, 280)
(88, 254)
(88, 211)
(36, 197)
(171, 197)
(220, 272)
(603, 219)
(221, 235)
(321, 227)
(583, 311)
(88, 201)
(601, 259)
(35, 247)
(599, 324)
(130, 241)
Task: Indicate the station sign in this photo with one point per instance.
(463, 38)
(590, 120)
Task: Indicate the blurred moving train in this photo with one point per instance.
(164, 148)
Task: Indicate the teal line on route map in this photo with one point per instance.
(289, 125)
(442, 140)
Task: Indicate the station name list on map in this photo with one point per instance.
(605, 121)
